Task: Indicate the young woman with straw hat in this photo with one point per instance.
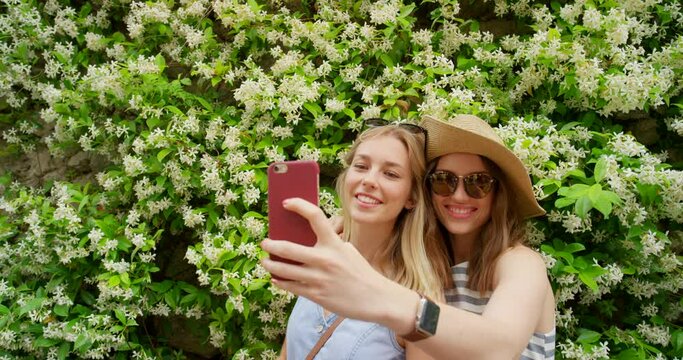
(502, 305)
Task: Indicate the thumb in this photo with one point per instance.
(321, 227)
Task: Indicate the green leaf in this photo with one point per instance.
(61, 310)
(387, 60)
(161, 287)
(603, 204)
(568, 257)
(313, 108)
(553, 34)
(125, 280)
(162, 154)
(160, 62)
(575, 191)
(588, 336)
(43, 342)
(257, 284)
(582, 206)
(152, 122)
(121, 316)
(82, 343)
(4, 310)
(600, 169)
(175, 110)
(578, 174)
(170, 299)
(349, 113)
(574, 247)
(204, 103)
(187, 287)
(629, 354)
(255, 7)
(649, 193)
(187, 299)
(31, 305)
(677, 340)
(588, 279)
(564, 202)
(64, 350)
(548, 249)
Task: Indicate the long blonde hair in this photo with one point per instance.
(409, 254)
(504, 230)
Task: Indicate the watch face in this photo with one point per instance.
(430, 317)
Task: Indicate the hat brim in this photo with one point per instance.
(469, 134)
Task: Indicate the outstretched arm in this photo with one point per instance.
(334, 275)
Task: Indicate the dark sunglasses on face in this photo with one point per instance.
(477, 185)
(412, 128)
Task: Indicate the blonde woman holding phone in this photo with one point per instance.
(384, 209)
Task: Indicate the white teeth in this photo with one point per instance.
(367, 200)
(459, 210)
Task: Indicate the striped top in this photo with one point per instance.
(540, 347)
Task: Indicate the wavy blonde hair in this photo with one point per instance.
(409, 255)
(504, 230)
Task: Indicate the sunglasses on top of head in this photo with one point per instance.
(412, 128)
(477, 185)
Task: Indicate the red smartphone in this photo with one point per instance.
(288, 179)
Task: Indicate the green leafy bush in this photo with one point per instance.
(188, 101)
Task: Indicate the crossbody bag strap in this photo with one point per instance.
(323, 338)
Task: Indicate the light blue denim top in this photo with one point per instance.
(353, 339)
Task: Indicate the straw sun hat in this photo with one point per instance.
(470, 134)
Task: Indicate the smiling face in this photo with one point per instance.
(462, 215)
(378, 182)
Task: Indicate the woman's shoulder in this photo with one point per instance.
(521, 252)
(521, 258)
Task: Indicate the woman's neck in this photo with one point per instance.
(463, 246)
(371, 240)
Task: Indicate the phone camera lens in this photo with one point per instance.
(280, 168)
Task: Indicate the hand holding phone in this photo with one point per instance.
(289, 179)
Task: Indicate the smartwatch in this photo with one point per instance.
(426, 320)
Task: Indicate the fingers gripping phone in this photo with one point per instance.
(288, 179)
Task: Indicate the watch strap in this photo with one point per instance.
(418, 333)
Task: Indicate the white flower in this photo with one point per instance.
(654, 334)
(192, 256)
(237, 301)
(549, 260)
(225, 197)
(217, 336)
(191, 218)
(251, 195)
(254, 226)
(95, 235)
(133, 165)
(334, 105)
(305, 152)
(592, 19)
(94, 41)
(143, 65)
(323, 121)
(649, 310)
(384, 11)
(651, 244)
(118, 267)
